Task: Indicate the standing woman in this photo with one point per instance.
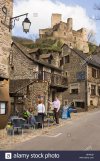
(41, 110)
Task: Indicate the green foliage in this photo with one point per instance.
(44, 44)
(92, 48)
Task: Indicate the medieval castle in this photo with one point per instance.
(64, 32)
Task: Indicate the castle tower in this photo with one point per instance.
(55, 19)
(70, 24)
(84, 34)
(6, 9)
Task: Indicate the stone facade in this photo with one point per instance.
(55, 19)
(31, 79)
(22, 68)
(71, 68)
(52, 58)
(6, 6)
(81, 78)
(5, 37)
(64, 31)
(93, 81)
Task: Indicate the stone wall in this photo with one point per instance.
(21, 67)
(93, 81)
(5, 37)
(55, 19)
(32, 92)
(37, 89)
(56, 59)
(74, 66)
(5, 46)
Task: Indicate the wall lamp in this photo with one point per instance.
(26, 23)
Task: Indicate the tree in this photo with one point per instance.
(91, 37)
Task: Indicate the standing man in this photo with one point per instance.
(56, 107)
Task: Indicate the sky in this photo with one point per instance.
(82, 12)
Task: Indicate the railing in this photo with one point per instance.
(53, 79)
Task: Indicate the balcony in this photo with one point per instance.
(54, 80)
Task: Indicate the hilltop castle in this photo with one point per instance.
(64, 31)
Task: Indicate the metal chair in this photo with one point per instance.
(17, 124)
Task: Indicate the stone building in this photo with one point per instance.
(64, 32)
(33, 77)
(83, 72)
(6, 7)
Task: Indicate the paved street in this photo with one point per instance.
(79, 134)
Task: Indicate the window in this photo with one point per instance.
(65, 33)
(49, 60)
(65, 102)
(94, 71)
(75, 38)
(37, 57)
(74, 91)
(74, 88)
(93, 89)
(11, 58)
(98, 73)
(99, 90)
(61, 62)
(66, 74)
(70, 44)
(66, 59)
(2, 108)
(91, 102)
(80, 104)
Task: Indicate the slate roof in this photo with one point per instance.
(24, 51)
(92, 59)
(16, 85)
(45, 56)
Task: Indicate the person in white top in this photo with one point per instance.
(56, 107)
(41, 110)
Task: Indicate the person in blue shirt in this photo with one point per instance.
(71, 109)
(67, 111)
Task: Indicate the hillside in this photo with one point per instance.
(47, 44)
(44, 44)
(22, 40)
